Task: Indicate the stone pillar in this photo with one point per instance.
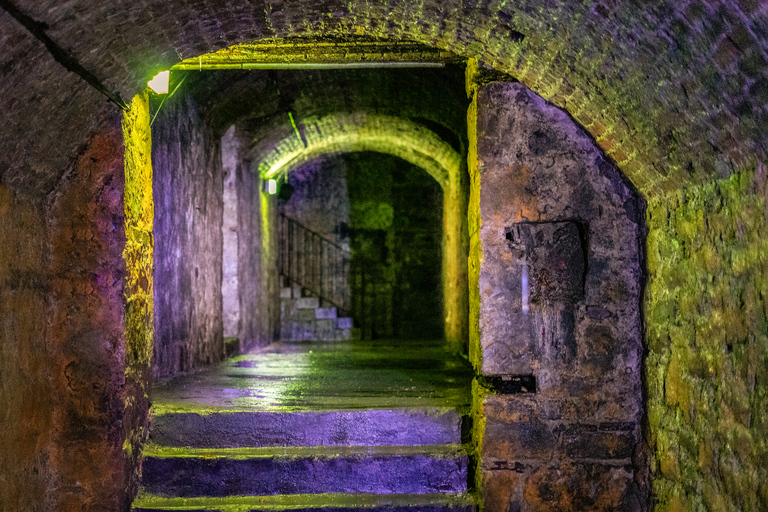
(555, 281)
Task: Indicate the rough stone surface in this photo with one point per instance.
(258, 285)
(314, 503)
(307, 424)
(86, 331)
(26, 392)
(230, 158)
(558, 262)
(372, 427)
(400, 470)
(69, 409)
(687, 103)
(707, 367)
(188, 194)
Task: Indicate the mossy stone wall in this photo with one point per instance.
(707, 340)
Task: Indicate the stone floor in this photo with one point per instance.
(308, 426)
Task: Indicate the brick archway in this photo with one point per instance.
(405, 139)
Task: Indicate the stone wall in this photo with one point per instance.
(188, 195)
(230, 155)
(707, 335)
(396, 220)
(557, 262)
(70, 410)
(320, 199)
(25, 386)
(259, 286)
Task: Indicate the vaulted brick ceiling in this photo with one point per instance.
(673, 91)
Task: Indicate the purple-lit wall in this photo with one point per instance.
(188, 195)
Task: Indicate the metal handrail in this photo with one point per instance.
(327, 271)
(314, 262)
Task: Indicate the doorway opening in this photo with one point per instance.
(362, 232)
(551, 282)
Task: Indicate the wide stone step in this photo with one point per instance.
(184, 472)
(372, 427)
(312, 503)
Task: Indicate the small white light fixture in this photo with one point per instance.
(159, 84)
(272, 187)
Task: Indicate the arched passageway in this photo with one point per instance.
(672, 92)
(414, 143)
(556, 266)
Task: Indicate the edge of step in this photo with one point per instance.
(447, 451)
(357, 427)
(462, 502)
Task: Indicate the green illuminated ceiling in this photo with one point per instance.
(309, 54)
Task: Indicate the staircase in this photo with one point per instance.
(302, 319)
(303, 427)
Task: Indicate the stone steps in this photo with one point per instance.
(373, 427)
(300, 427)
(302, 319)
(312, 503)
(190, 472)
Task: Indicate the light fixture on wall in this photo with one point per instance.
(160, 83)
(271, 187)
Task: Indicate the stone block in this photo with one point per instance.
(324, 313)
(324, 329)
(500, 489)
(356, 427)
(307, 303)
(409, 470)
(296, 292)
(343, 334)
(285, 293)
(302, 331)
(578, 487)
(287, 308)
(344, 323)
(287, 330)
(588, 442)
(504, 441)
(305, 315)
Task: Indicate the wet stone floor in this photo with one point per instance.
(336, 426)
(326, 376)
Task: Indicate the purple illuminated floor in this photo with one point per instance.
(338, 426)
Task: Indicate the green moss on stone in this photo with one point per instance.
(706, 314)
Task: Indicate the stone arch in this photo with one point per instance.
(405, 139)
(635, 99)
(345, 133)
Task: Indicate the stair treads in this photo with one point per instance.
(288, 403)
(303, 470)
(311, 502)
(362, 427)
(152, 450)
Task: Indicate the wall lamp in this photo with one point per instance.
(160, 84)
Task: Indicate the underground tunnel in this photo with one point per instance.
(561, 213)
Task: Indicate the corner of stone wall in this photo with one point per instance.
(556, 265)
(138, 289)
(475, 253)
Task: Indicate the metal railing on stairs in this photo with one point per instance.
(309, 260)
(327, 271)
